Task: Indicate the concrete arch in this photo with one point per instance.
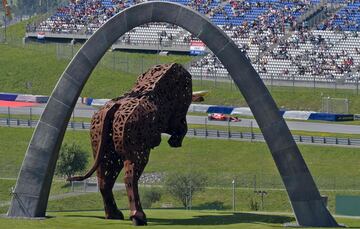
(34, 182)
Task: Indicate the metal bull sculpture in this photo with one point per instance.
(125, 129)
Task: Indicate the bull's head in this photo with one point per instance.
(177, 129)
(177, 90)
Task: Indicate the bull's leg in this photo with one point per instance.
(133, 171)
(107, 173)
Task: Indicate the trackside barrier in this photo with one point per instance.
(203, 108)
(8, 96)
(207, 133)
(198, 108)
(24, 98)
(220, 109)
(331, 117)
(356, 116)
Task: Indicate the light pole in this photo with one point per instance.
(190, 196)
(206, 132)
(229, 133)
(251, 130)
(30, 116)
(314, 83)
(201, 74)
(5, 25)
(9, 116)
(233, 194)
(262, 193)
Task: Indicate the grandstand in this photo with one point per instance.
(280, 37)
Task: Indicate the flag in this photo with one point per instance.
(41, 35)
(197, 47)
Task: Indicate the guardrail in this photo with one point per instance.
(259, 137)
(206, 133)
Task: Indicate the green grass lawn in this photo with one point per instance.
(42, 65)
(210, 199)
(38, 64)
(43, 69)
(251, 164)
(213, 198)
(285, 97)
(6, 189)
(220, 159)
(58, 187)
(163, 219)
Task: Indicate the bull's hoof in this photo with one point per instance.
(118, 215)
(138, 222)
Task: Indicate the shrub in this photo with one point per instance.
(150, 196)
(183, 186)
(72, 159)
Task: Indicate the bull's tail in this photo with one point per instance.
(95, 165)
(106, 121)
(90, 172)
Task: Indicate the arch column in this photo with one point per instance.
(34, 181)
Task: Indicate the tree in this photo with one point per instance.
(72, 159)
(183, 186)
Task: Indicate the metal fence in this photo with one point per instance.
(137, 64)
(256, 179)
(335, 105)
(115, 60)
(205, 133)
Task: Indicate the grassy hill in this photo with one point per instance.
(220, 159)
(289, 98)
(334, 169)
(22, 66)
(40, 65)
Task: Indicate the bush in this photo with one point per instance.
(184, 186)
(217, 205)
(72, 159)
(150, 196)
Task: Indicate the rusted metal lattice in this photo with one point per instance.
(125, 129)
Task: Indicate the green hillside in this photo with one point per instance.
(220, 159)
(334, 169)
(40, 66)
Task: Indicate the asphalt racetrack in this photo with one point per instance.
(87, 111)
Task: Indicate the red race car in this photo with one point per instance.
(223, 117)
